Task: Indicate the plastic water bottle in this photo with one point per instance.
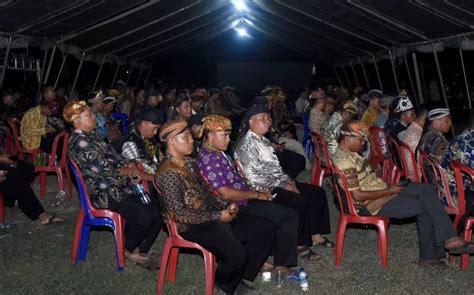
(303, 280)
(143, 195)
(266, 275)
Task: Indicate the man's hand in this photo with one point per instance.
(395, 189)
(291, 186)
(233, 208)
(279, 147)
(265, 196)
(226, 216)
(50, 129)
(5, 159)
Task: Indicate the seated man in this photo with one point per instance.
(330, 128)
(403, 114)
(221, 175)
(262, 169)
(34, 131)
(373, 197)
(97, 106)
(373, 110)
(240, 243)
(433, 141)
(141, 146)
(112, 126)
(110, 180)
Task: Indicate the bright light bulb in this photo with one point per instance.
(242, 32)
(239, 5)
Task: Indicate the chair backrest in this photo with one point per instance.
(391, 174)
(433, 173)
(407, 156)
(321, 149)
(15, 124)
(344, 196)
(378, 137)
(9, 141)
(460, 169)
(83, 195)
(64, 136)
(394, 151)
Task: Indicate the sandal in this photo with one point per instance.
(308, 254)
(325, 243)
(52, 219)
(467, 248)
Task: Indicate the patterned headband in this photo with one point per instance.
(74, 109)
(216, 123)
(438, 113)
(172, 128)
(355, 129)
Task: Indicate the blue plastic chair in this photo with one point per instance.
(307, 141)
(123, 119)
(89, 216)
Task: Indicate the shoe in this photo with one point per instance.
(136, 257)
(432, 263)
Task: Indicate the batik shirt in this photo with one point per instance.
(434, 143)
(33, 127)
(370, 116)
(330, 131)
(141, 150)
(316, 120)
(101, 129)
(360, 176)
(185, 196)
(100, 166)
(260, 164)
(219, 171)
(460, 149)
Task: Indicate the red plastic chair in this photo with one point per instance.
(405, 154)
(320, 169)
(87, 217)
(20, 151)
(378, 138)
(9, 142)
(59, 168)
(169, 259)
(391, 174)
(349, 215)
(441, 181)
(459, 170)
(2, 210)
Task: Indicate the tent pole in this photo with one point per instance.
(77, 74)
(392, 62)
(5, 63)
(129, 74)
(139, 76)
(377, 72)
(49, 65)
(355, 75)
(60, 71)
(98, 73)
(40, 82)
(365, 74)
(441, 82)
(468, 95)
(417, 78)
(115, 75)
(337, 76)
(347, 78)
(147, 77)
(411, 80)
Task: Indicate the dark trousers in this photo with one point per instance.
(434, 225)
(312, 208)
(240, 248)
(17, 186)
(286, 233)
(292, 163)
(143, 223)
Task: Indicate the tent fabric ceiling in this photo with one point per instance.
(149, 31)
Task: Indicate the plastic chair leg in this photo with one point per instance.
(2, 209)
(43, 183)
(76, 241)
(209, 260)
(173, 264)
(341, 231)
(59, 173)
(119, 245)
(383, 236)
(86, 229)
(467, 236)
(164, 262)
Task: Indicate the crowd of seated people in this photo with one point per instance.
(237, 196)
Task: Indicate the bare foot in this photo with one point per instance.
(137, 257)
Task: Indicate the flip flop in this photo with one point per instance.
(308, 254)
(468, 248)
(325, 243)
(52, 219)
